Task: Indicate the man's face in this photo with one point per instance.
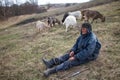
(84, 30)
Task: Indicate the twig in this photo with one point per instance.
(73, 74)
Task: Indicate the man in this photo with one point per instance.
(85, 49)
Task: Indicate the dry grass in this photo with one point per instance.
(21, 49)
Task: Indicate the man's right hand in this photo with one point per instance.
(71, 54)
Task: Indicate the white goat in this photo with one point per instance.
(77, 14)
(70, 21)
(41, 25)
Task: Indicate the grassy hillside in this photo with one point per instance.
(21, 49)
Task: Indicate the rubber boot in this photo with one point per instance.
(49, 71)
(51, 63)
(47, 63)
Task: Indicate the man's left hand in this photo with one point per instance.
(71, 58)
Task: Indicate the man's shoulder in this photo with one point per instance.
(80, 36)
(93, 35)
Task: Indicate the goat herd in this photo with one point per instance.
(70, 19)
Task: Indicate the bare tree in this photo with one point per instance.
(10, 8)
(2, 9)
(34, 2)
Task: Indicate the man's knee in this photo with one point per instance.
(67, 64)
(64, 66)
(64, 57)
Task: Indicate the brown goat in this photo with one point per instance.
(52, 20)
(87, 14)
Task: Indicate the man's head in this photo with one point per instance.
(86, 28)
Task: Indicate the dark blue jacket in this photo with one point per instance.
(86, 47)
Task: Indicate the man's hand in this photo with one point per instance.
(71, 58)
(71, 54)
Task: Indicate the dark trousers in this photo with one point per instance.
(64, 63)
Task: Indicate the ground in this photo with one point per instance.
(21, 49)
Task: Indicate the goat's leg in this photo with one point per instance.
(67, 27)
(86, 19)
(53, 23)
(50, 24)
(37, 31)
(82, 18)
(59, 22)
(92, 20)
(96, 21)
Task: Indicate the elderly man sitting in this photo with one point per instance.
(85, 49)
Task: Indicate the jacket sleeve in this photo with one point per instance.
(83, 54)
(74, 48)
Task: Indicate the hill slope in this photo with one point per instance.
(21, 49)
